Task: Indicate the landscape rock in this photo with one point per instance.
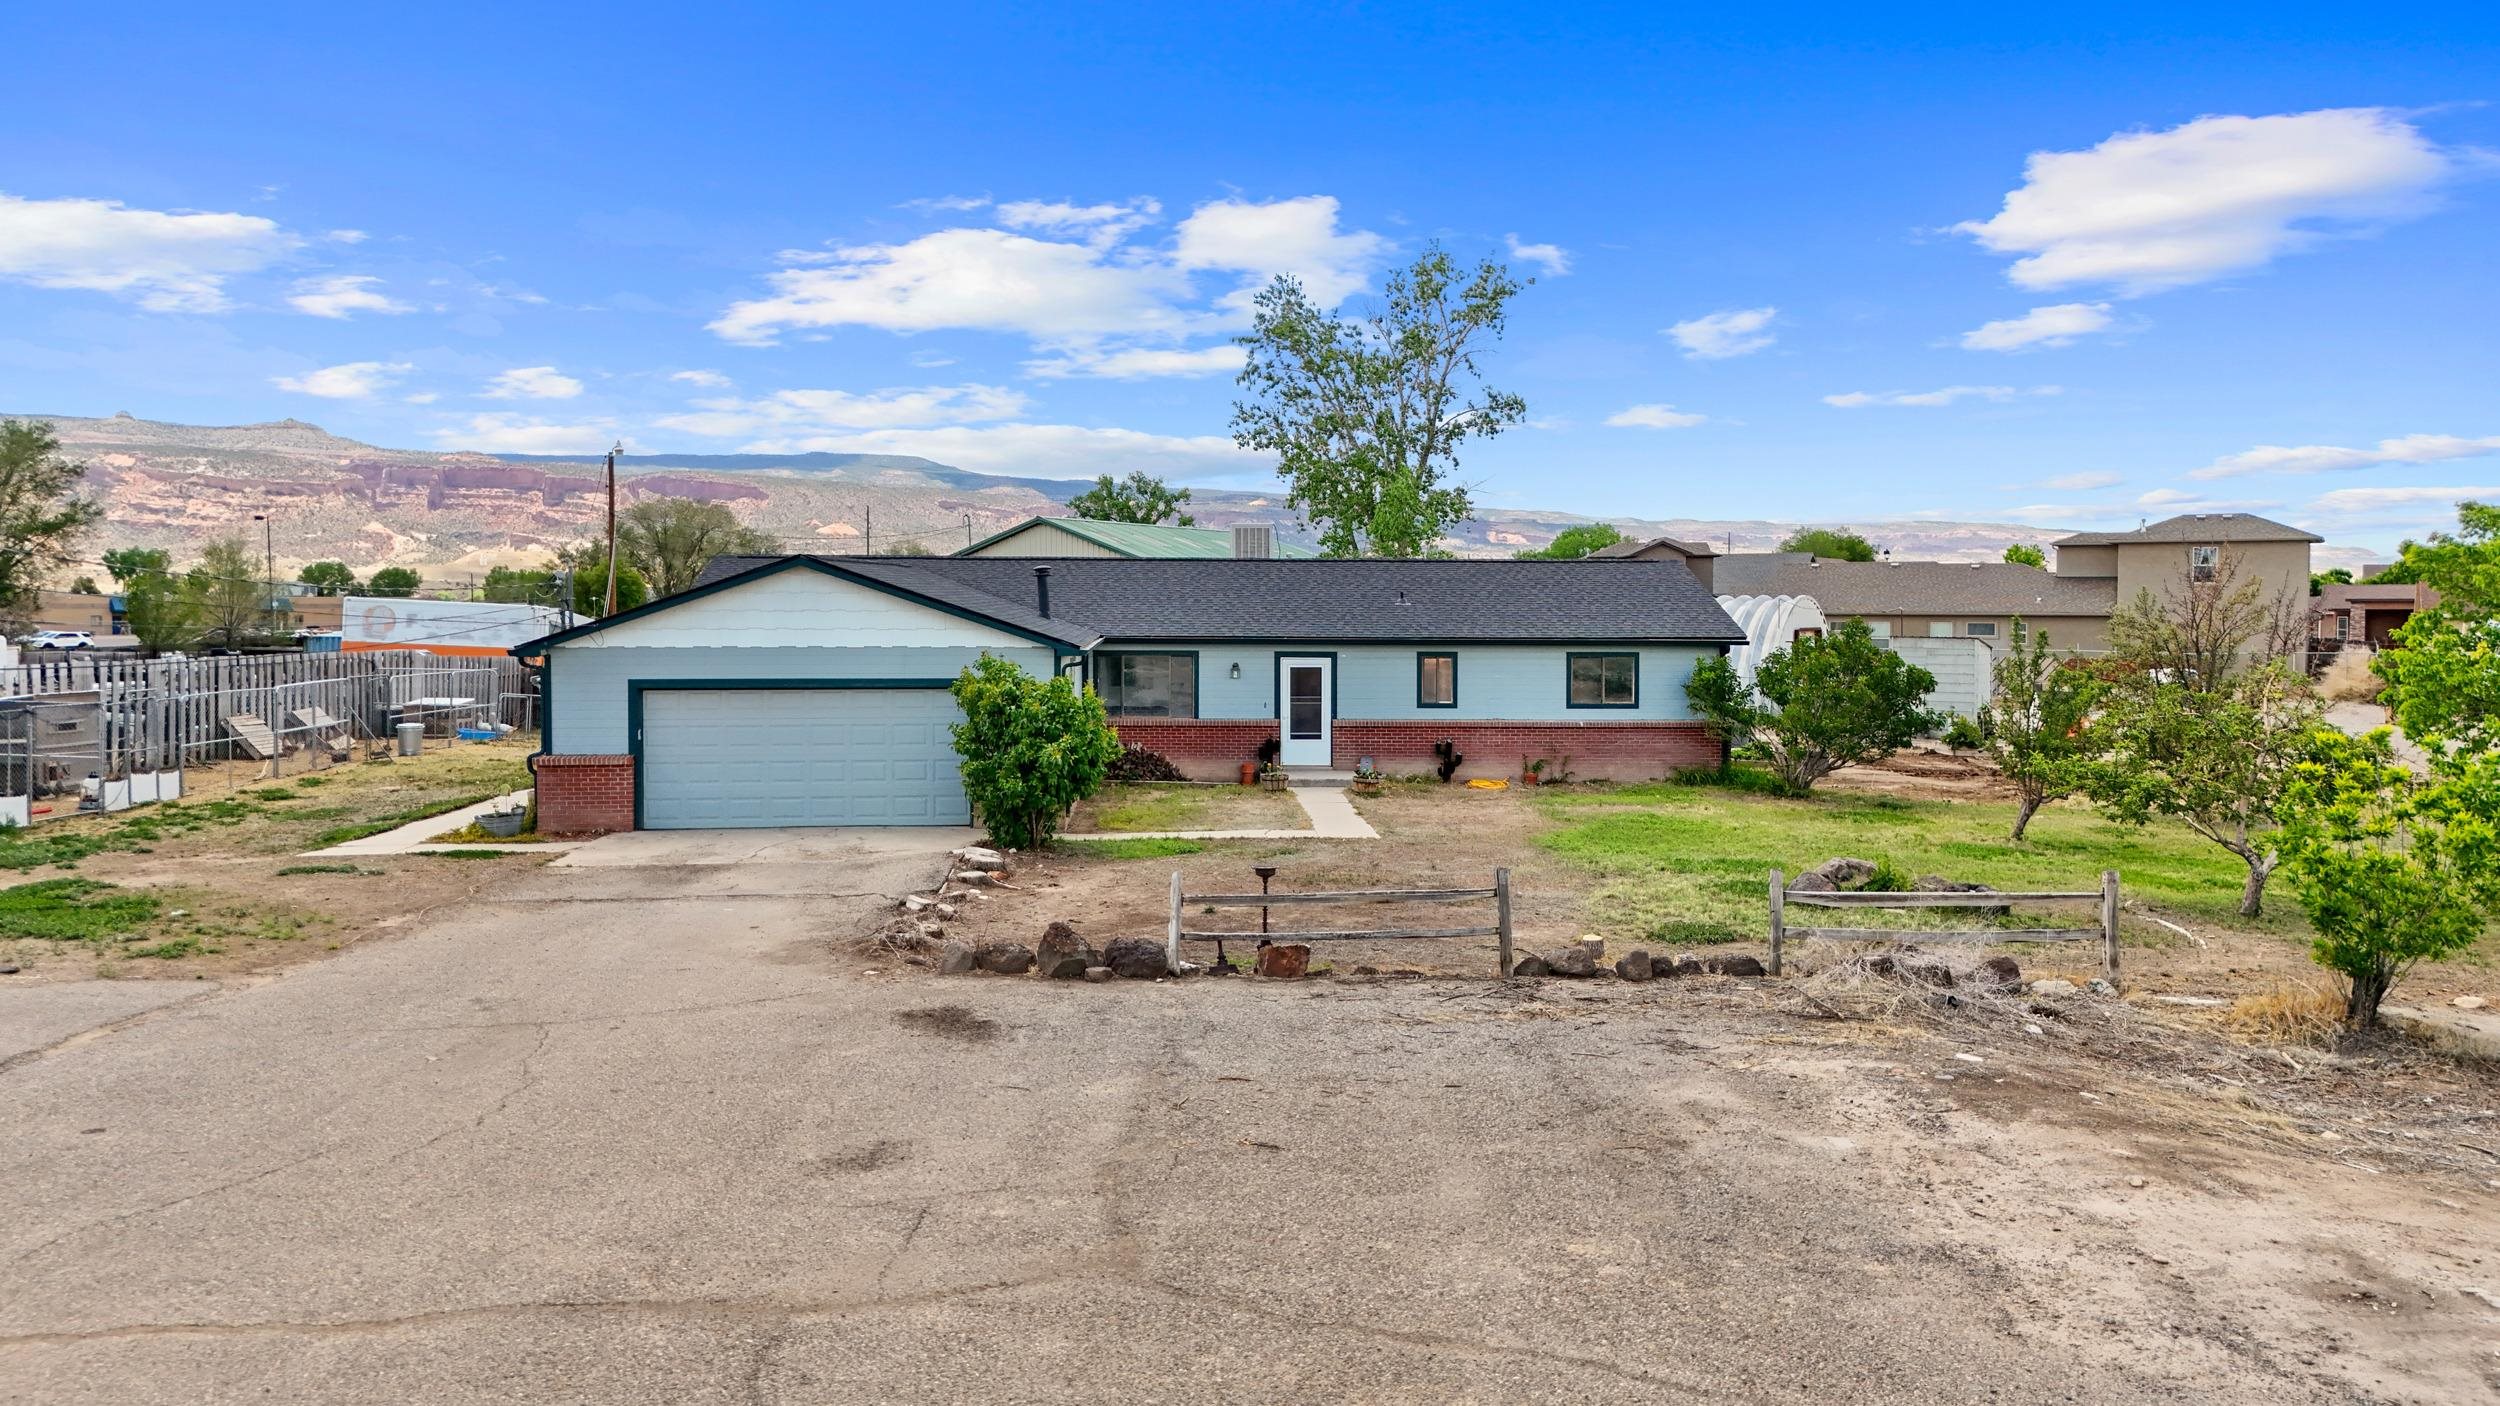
(1811, 882)
(1735, 964)
(1635, 965)
(1005, 958)
(1999, 974)
(1059, 940)
(1938, 883)
(1846, 873)
(1574, 960)
(1910, 967)
(2054, 986)
(1286, 961)
(943, 910)
(975, 857)
(1530, 966)
(914, 903)
(956, 958)
(1683, 966)
(2463, 1003)
(2099, 987)
(1067, 966)
(1098, 974)
(1137, 958)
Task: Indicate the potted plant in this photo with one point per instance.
(503, 824)
(1272, 777)
(1530, 772)
(1368, 781)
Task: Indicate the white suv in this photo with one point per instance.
(60, 639)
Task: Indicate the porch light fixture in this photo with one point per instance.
(1236, 668)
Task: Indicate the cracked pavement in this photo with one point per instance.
(635, 1134)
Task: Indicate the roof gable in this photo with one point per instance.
(2196, 528)
(1136, 539)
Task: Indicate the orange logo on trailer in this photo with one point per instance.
(380, 620)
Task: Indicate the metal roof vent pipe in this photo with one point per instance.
(1041, 590)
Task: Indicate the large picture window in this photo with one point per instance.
(1436, 680)
(1148, 685)
(1604, 681)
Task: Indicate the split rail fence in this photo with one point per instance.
(2106, 932)
(1500, 927)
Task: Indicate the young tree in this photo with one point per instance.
(1575, 542)
(328, 578)
(1829, 543)
(2464, 566)
(160, 610)
(127, 564)
(2025, 554)
(1031, 748)
(40, 520)
(226, 592)
(588, 561)
(1820, 704)
(396, 581)
(1359, 409)
(2443, 681)
(1141, 497)
(2393, 869)
(2332, 576)
(2038, 723)
(85, 586)
(671, 540)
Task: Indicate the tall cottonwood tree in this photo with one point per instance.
(41, 518)
(669, 540)
(1141, 497)
(1366, 415)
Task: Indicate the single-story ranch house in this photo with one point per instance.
(804, 690)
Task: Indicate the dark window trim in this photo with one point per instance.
(1420, 656)
(1196, 678)
(636, 688)
(1575, 656)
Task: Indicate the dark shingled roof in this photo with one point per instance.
(2197, 528)
(1844, 588)
(1315, 601)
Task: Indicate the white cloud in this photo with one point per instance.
(1097, 224)
(2054, 326)
(2144, 211)
(1553, 259)
(354, 380)
(342, 295)
(710, 379)
(422, 397)
(1042, 451)
(1063, 292)
(2179, 500)
(946, 204)
(825, 411)
(164, 261)
(532, 383)
(1716, 336)
(1944, 396)
(1654, 417)
(2370, 500)
(1138, 363)
(516, 434)
(347, 236)
(2327, 458)
(2084, 482)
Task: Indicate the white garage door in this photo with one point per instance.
(800, 756)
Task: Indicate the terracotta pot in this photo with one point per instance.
(1249, 773)
(1527, 778)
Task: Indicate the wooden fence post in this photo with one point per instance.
(1172, 939)
(2109, 924)
(1779, 917)
(1501, 915)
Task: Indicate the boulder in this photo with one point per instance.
(1067, 966)
(1005, 958)
(1735, 964)
(1059, 940)
(1286, 961)
(1530, 966)
(956, 958)
(975, 857)
(1938, 883)
(1846, 873)
(1811, 882)
(2099, 987)
(1999, 974)
(1684, 966)
(1574, 960)
(1635, 965)
(1137, 958)
(1909, 966)
(2053, 986)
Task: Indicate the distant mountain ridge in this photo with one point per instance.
(452, 515)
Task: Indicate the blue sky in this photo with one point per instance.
(1804, 266)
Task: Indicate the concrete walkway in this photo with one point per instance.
(417, 836)
(1331, 809)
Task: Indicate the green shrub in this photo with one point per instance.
(1032, 748)
(1963, 734)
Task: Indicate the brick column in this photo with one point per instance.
(585, 795)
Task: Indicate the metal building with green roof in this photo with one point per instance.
(1085, 537)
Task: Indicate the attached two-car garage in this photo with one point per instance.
(744, 757)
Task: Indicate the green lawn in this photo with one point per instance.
(1692, 863)
(1144, 807)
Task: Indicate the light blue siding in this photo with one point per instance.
(1376, 683)
(586, 687)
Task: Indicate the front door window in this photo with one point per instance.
(1305, 707)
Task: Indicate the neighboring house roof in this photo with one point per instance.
(1846, 588)
(1315, 600)
(1137, 539)
(2336, 596)
(2196, 528)
(1650, 545)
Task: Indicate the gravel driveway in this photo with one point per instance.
(633, 1135)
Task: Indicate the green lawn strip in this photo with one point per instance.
(1128, 808)
(1133, 849)
(62, 844)
(75, 910)
(1692, 863)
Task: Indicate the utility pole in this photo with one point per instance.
(564, 594)
(613, 451)
(967, 530)
(869, 515)
(268, 570)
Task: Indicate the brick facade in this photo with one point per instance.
(1213, 749)
(588, 795)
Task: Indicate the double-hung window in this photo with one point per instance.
(1604, 681)
(1436, 680)
(2205, 563)
(1140, 685)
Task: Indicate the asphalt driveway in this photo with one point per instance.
(630, 1134)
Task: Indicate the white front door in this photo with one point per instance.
(1306, 698)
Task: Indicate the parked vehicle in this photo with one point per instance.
(60, 639)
